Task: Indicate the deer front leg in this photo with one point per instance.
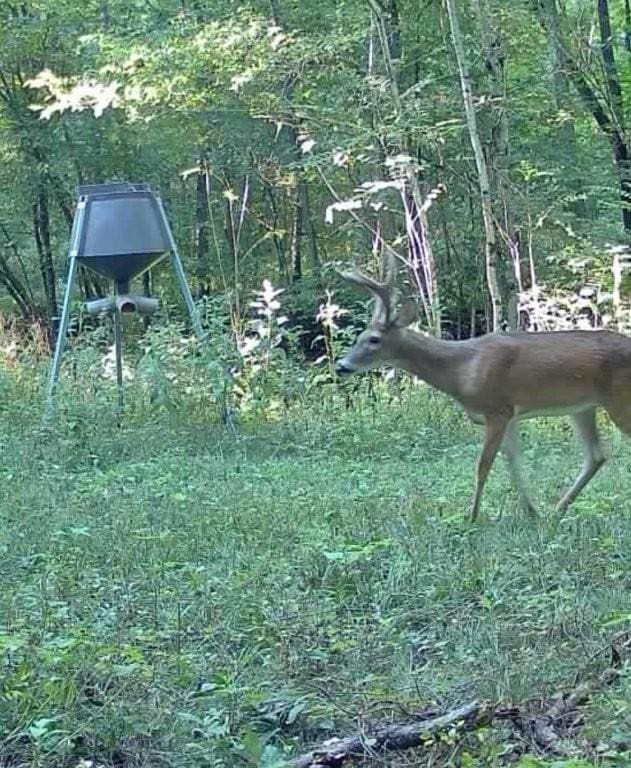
(594, 456)
(495, 428)
(512, 454)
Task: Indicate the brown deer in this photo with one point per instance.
(501, 378)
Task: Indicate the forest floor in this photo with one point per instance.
(173, 596)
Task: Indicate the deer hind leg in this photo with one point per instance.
(621, 416)
(593, 455)
(495, 429)
(512, 453)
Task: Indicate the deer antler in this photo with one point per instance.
(389, 268)
(383, 292)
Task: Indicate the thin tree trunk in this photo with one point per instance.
(395, 46)
(269, 193)
(491, 250)
(16, 289)
(568, 145)
(91, 285)
(275, 12)
(230, 232)
(202, 225)
(41, 225)
(147, 291)
(24, 281)
(312, 234)
(621, 157)
(606, 46)
(104, 14)
(297, 230)
(299, 203)
(608, 112)
(417, 224)
(498, 148)
(614, 89)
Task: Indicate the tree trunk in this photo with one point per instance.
(270, 193)
(498, 149)
(312, 234)
(297, 230)
(606, 46)
(202, 227)
(608, 112)
(614, 90)
(491, 249)
(41, 226)
(422, 262)
(36, 154)
(395, 46)
(24, 281)
(230, 232)
(104, 14)
(621, 157)
(297, 202)
(16, 289)
(275, 12)
(568, 145)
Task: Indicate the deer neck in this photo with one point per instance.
(436, 362)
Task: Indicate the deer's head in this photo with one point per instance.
(379, 344)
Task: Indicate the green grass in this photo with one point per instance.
(171, 597)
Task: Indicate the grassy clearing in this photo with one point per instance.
(171, 597)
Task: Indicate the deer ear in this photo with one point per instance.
(407, 313)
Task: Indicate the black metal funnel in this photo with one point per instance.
(122, 232)
(119, 230)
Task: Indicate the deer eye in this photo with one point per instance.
(374, 340)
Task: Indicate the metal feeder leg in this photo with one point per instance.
(176, 263)
(61, 337)
(118, 351)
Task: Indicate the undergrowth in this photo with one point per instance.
(172, 595)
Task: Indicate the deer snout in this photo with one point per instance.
(342, 368)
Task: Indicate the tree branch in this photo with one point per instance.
(395, 736)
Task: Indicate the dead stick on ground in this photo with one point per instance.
(541, 730)
(395, 736)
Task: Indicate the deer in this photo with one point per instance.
(501, 378)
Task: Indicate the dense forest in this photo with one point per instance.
(486, 143)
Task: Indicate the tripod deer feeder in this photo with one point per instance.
(120, 230)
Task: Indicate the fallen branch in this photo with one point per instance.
(395, 736)
(546, 731)
(549, 730)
